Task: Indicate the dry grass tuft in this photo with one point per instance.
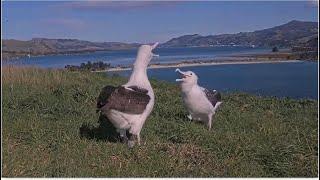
(28, 75)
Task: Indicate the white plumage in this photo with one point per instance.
(199, 102)
(121, 104)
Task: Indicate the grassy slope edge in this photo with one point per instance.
(252, 136)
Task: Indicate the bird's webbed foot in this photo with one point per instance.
(123, 135)
(124, 139)
(131, 140)
(189, 117)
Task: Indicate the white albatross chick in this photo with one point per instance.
(128, 106)
(201, 103)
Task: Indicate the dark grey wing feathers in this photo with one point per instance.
(128, 101)
(104, 95)
(213, 96)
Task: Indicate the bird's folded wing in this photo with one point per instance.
(127, 101)
(213, 96)
(104, 95)
(138, 89)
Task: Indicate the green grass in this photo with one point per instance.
(252, 136)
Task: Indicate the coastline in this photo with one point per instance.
(195, 64)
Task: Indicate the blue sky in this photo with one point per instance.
(146, 21)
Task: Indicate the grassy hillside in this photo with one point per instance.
(44, 110)
(42, 46)
(293, 33)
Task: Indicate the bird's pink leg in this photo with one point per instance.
(139, 140)
(209, 121)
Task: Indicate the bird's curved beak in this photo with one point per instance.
(153, 47)
(183, 75)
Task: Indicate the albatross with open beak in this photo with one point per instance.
(128, 106)
(201, 103)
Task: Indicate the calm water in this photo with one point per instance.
(125, 57)
(295, 80)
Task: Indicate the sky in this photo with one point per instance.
(146, 21)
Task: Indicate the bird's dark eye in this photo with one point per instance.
(191, 73)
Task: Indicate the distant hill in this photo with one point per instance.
(43, 46)
(286, 35)
(293, 34)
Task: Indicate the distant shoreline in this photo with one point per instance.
(212, 63)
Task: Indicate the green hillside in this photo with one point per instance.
(293, 33)
(12, 48)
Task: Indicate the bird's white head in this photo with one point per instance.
(188, 78)
(145, 55)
